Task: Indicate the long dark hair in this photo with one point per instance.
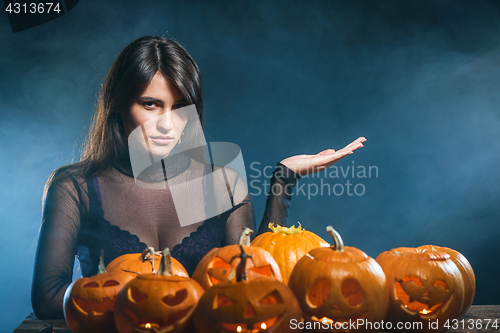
(128, 77)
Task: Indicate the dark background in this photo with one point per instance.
(419, 79)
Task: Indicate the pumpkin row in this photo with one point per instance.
(238, 288)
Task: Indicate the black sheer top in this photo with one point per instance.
(109, 211)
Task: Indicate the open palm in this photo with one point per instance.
(308, 164)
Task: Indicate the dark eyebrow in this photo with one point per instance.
(150, 99)
(181, 101)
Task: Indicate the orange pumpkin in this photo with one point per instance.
(466, 269)
(257, 305)
(146, 262)
(339, 284)
(220, 263)
(157, 303)
(425, 286)
(288, 245)
(88, 302)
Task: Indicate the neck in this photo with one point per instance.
(162, 170)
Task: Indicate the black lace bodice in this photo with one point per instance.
(110, 211)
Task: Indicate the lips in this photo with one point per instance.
(162, 140)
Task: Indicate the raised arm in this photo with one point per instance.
(289, 171)
(56, 248)
(285, 177)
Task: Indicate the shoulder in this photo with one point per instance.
(67, 180)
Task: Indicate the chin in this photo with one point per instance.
(161, 151)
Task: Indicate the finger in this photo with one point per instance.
(358, 143)
(327, 160)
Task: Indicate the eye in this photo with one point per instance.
(319, 291)
(412, 279)
(220, 263)
(353, 294)
(221, 301)
(263, 270)
(442, 284)
(178, 106)
(272, 298)
(91, 285)
(176, 299)
(136, 296)
(110, 283)
(150, 105)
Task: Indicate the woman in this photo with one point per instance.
(152, 93)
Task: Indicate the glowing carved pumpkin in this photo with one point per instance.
(146, 262)
(157, 303)
(467, 273)
(257, 305)
(88, 302)
(220, 263)
(337, 284)
(288, 245)
(424, 285)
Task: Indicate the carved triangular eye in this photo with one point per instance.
(91, 285)
(263, 270)
(110, 283)
(272, 298)
(221, 301)
(220, 263)
(178, 298)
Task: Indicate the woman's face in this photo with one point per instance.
(157, 111)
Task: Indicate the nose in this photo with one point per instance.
(165, 124)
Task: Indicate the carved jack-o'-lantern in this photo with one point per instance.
(220, 263)
(157, 303)
(257, 305)
(339, 284)
(424, 285)
(467, 273)
(89, 302)
(146, 262)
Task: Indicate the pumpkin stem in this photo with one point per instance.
(338, 243)
(284, 230)
(166, 263)
(102, 267)
(149, 253)
(240, 269)
(245, 236)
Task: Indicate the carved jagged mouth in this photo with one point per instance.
(424, 309)
(424, 305)
(94, 307)
(254, 328)
(339, 322)
(157, 325)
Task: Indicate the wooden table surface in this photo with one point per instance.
(475, 313)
